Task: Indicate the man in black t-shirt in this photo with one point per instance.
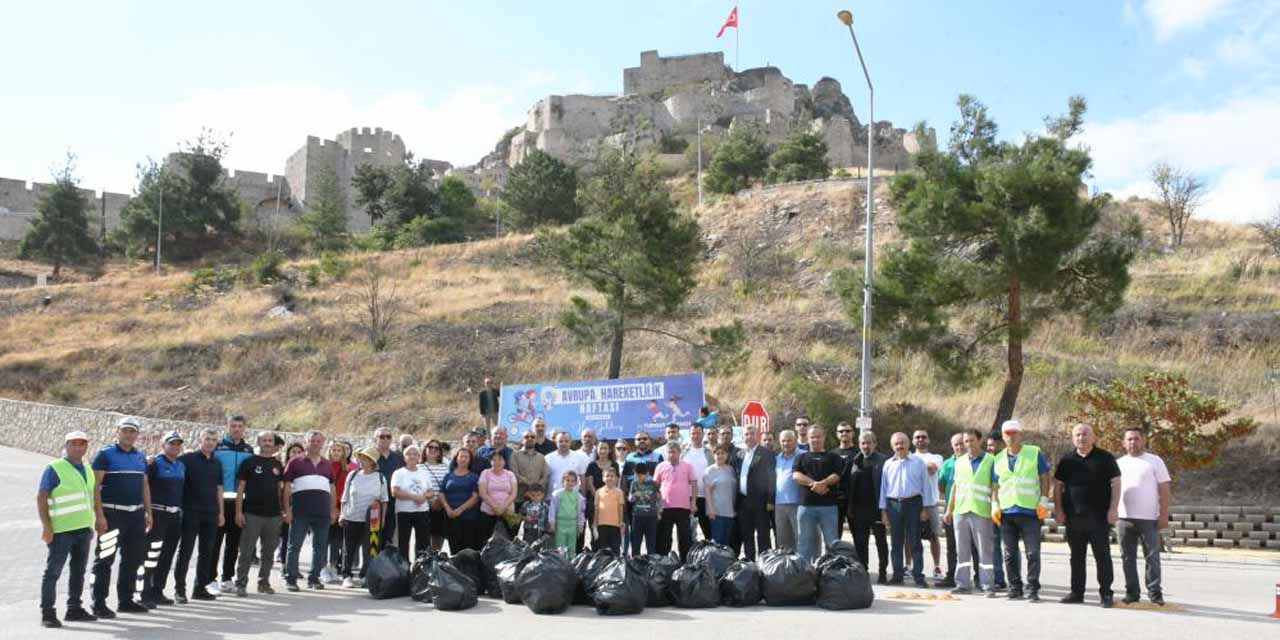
(818, 472)
(847, 450)
(1086, 497)
(259, 497)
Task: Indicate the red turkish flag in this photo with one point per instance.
(731, 21)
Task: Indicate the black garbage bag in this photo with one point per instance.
(713, 554)
(694, 587)
(786, 579)
(388, 575)
(420, 575)
(619, 589)
(587, 566)
(499, 549)
(468, 560)
(843, 548)
(658, 572)
(508, 571)
(740, 586)
(546, 582)
(451, 588)
(844, 584)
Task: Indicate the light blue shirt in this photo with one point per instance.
(906, 478)
(786, 489)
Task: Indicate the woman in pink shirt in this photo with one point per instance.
(678, 484)
(497, 494)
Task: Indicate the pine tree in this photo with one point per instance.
(739, 159)
(803, 156)
(998, 237)
(542, 190)
(325, 221)
(60, 233)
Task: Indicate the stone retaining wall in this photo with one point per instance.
(1216, 526)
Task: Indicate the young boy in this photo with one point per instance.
(609, 505)
(534, 513)
(568, 514)
(645, 508)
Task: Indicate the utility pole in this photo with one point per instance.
(160, 222)
(699, 159)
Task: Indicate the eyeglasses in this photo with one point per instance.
(384, 437)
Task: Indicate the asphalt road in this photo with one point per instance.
(1225, 596)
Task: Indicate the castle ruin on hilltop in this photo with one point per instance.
(665, 99)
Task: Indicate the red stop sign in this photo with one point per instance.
(755, 415)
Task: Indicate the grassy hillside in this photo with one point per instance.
(136, 342)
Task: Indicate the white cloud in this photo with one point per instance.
(1171, 16)
(1235, 145)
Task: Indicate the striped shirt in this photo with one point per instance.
(312, 487)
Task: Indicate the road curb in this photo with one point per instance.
(1196, 558)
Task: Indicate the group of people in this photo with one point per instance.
(249, 503)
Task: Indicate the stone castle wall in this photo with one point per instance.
(19, 200)
(656, 73)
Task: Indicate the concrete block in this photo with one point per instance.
(1206, 533)
(1180, 515)
(1196, 524)
(1231, 535)
(1197, 542)
(1206, 517)
(1055, 537)
(1255, 518)
(1255, 510)
(1250, 544)
(1242, 526)
(1273, 527)
(1259, 535)
(1184, 533)
(1229, 517)
(1222, 543)
(1234, 511)
(1219, 526)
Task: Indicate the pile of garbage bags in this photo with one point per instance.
(547, 581)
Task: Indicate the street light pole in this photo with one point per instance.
(160, 222)
(864, 407)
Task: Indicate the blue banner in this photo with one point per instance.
(613, 408)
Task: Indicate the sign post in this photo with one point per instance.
(755, 415)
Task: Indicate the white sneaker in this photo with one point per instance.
(359, 583)
(348, 583)
(215, 588)
(326, 575)
(228, 586)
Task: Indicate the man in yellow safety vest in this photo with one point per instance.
(65, 504)
(1020, 488)
(969, 513)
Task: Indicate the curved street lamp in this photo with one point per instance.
(864, 406)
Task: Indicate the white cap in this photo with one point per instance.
(128, 422)
(76, 435)
(1010, 426)
(172, 436)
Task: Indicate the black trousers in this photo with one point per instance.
(704, 521)
(754, 524)
(952, 552)
(464, 534)
(355, 539)
(162, 543)
(130, 543)
(678, 518)
(608, 537)
(202, 527)
(415, 524)
(1090, 532)
(866, 522)
(842, 516)
(228, 536)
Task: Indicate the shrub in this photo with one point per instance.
(802, 157)
(739, 159)
(423, 231)
(219, 279)
(335, 266)
(266, 268)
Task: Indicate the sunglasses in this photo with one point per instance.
(384, 437)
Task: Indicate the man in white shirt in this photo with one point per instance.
(699, 457)
(564, 459)
(1144, 511)
(933, 530)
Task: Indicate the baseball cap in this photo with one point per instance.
(128, 422)
(1010, 426)
(76, 435)
(171, 436)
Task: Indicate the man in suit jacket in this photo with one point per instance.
(864, 502)
(754, 466)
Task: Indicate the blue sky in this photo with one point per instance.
(1196, 82)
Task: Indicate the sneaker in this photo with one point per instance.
(49, 619)
(1108, 601)
(961, 591)
(1130, 598)
(1033, 595)
(180, 597)
(131, 606)
(947, 584)
(896, 580)
(102, 611)
(1157, 600)
(214, 587)
(203, 594)
(1000, 586)
(241, 591)
(291, 585)
(991, 593)
(78, 614)
(1072, 598)
(160, 599)
(227, 586)
(921, 583)
(1015, 594)
(326, 575)
(937, 572)
(317, 585)
(265, 587)
(348, 583)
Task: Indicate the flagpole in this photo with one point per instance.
(737, 40)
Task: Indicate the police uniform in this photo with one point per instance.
(124, 474)
(165, 478)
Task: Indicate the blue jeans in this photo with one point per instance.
(814, 522)
(904, 532)
(318, 527)
(75, 546)
(722, 529)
